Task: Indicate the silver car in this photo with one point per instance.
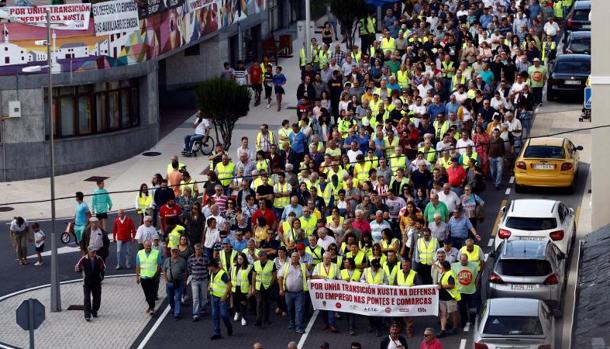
(529, 269)
(515, 323)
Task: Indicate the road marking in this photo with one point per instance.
(498, 217)
(490, 242)
(154, 327)
(307, 330)
(467, 327)
(511, 180)
(463, 343)
(507, 192)
(61, 250)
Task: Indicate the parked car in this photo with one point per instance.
(514, 323)
(538, 219)
(578, 18)
(578, 42)
(529, 269)
(568, 75)
(550, 162)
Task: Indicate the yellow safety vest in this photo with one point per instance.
(371, 24)
(391, 274)
(474, 256)
(170, 168)
(263, 275)
(283, 201)
(374, 105)
(302, 57)
(356, 56)
(223, 260)
(361, 171)
(144, 202)
(358, 259)
(388, 44)
(225, 173)
(445, 163)
(219, 287)
(308, 224)
(453, 292)
(403, 79)
(374, 280)
(174, 236)
(466, 159)
(440, 130)
(148, 263)
(446, 66)
(355, 275)
(429, 155)
(398, 162)
(401, 280)
(385, 245)
(330, 274)
(544, 49)
(316, 253)
(362, 30)
(259, 139)
(303, 275)
(426, 253)
(327, 193)
(558, 9)
(323, 57)
(244, 280)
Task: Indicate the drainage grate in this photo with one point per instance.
(96, 178)
(76, 307)
(6, 208)
(151, 153)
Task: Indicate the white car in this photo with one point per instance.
(538, 219)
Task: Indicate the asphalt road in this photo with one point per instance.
(167, 331)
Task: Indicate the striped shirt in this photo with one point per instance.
(240, 76)
(198, 267)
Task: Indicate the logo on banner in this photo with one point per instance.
(338, 305)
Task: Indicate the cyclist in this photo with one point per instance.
(202, 128)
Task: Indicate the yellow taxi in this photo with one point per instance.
(547, 162)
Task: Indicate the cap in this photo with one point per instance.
(93, 219)
(226, 241)
(91, 249)
(536, 59)
(300, 246)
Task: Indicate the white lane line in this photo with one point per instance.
(463, 343)
(507, 192)
(490, 242)
(467, 327)
(307, 329)
(154, 327)
(511, 180)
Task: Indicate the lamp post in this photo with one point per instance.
(307, 33)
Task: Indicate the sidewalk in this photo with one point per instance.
(130, 173)
(122, 317)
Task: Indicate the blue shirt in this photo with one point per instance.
(485, 20)
(435, 109)
(379, 142)
(459, 228)
(239, 245)
(487, 76)
(363, 142)
(298, 142)
(451, 107)
(298, 211)
(279, 80)
(80, 213)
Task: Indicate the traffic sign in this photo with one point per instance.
(30, 316)
(587, 102)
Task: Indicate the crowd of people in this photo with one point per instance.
(377, 180)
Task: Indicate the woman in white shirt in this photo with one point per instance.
(212, 236)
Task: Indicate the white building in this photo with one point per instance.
(72, 50)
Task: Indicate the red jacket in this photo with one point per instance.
(123, 231)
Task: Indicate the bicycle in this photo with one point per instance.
(205, 146)
(68, 233)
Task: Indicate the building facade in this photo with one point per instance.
(108, 90)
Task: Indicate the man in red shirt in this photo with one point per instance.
(360, 225)
(256, 80)
(123, 232)
(266, 212)
(170, 209)
(456, 176)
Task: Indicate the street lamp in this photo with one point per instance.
(55, 289)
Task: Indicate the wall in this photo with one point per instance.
(600, 166)
(26, 146)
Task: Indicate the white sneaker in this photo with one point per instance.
(38, 264)
(268, 106)
(236, 317)
(243, 322)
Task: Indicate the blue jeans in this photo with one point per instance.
(329, 318)
(458, 242)
(495, 169)
(295, 317)
(174, 297)
(526, 122)
(189, 140)
(220, 309)
(123, 254)
(518, 142)
(200, 296)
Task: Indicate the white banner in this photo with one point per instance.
(374, 300)
(197, 4)
(68, 17)
(113, 17)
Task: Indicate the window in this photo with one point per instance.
(513, 326)
(90, 109)
(531, 224)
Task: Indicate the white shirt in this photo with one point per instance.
(145, 233)
(212, 236)
(462, 144)
(451, 200)
(202, 126)
(514, 126)
(377, 228)
(353, 154)
(551, 29)
(17, 228)
(39, 238)
(497, 103)
(324, 243)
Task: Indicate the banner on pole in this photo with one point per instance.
(111, 17)
(65, 17)
(374, 300)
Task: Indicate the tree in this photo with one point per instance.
(348, 12)
(223, 102)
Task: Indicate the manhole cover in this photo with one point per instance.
(76, 307)
(151, 153)
(96, 178)
(6, 208)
